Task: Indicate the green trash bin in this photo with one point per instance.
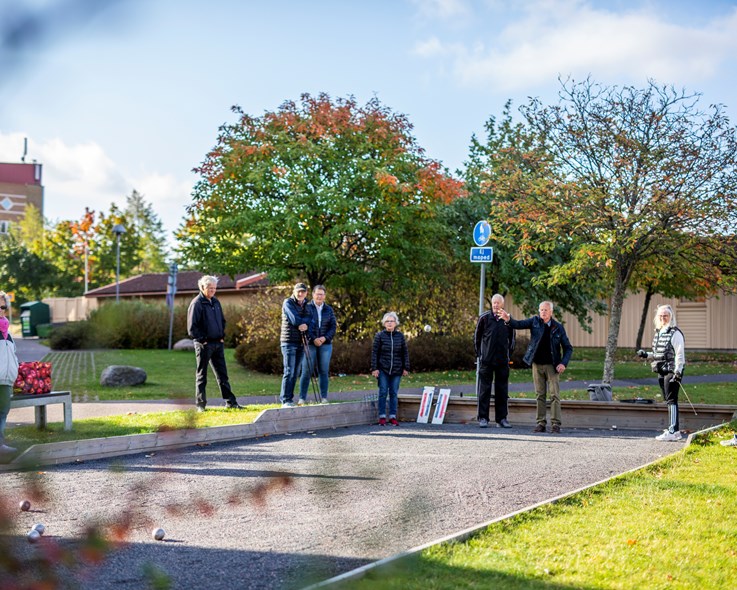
(32, 314)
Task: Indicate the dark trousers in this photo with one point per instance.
(670, 388)
(499, 375)
(213, 354)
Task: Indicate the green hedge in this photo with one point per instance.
(428, 352)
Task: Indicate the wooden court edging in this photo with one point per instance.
(584, 413)
(268, 422)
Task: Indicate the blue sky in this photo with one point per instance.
(133, 96)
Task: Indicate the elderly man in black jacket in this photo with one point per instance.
(494, 344)
(549, 352)
(206, 328)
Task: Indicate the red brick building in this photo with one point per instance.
(20, 186)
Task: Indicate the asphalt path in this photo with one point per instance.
(285, 511)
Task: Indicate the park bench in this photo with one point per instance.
(39, 401)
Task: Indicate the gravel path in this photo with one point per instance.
(288, 510)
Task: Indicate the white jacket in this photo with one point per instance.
(8, 361)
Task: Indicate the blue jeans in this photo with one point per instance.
(5, 392)
(320, 361)
(388, 384)
(293, 355)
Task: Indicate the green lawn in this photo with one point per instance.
(171, 374)
(136, 423)
(669, 526)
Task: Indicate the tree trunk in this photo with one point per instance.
(615, 318)
(643, 319)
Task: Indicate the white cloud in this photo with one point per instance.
(572, 38)
(82, 175)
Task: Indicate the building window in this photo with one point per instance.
(4, 227)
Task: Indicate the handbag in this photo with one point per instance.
(33, 377)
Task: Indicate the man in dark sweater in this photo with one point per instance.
(206, 328)
(549, 352)
(494, 344)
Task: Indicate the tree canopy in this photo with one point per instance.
(631, 172)
(327, 190)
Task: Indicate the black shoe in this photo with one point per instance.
(235, 406)
(539, 428)
(555, 429)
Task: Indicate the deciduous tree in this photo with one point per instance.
(631, 171)
(325, 190)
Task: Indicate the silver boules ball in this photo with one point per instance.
(158, 534)
(25, 505)
(34, 536)
(428, 328)
(41, 528)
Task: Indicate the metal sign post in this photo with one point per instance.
(481, 236)
(170, 293)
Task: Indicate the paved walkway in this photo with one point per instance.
(31, 350)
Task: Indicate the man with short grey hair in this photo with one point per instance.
(206, 328)
(549, 353)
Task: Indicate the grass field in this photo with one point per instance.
(134, 423)
(171, 374)
(669, 526)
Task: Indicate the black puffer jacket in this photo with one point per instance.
(390, 353)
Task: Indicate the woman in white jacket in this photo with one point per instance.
(8, 371)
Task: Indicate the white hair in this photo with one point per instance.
(390, 315)
(549, 304)
(206, 280)
(497, 297)
(658, 323)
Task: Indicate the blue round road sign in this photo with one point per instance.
(482, 233)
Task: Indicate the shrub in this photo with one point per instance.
(70, 336)
(351, 358)
(262, 355)
(430, 352)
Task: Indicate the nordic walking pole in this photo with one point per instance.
(313, 379)
(689, 399)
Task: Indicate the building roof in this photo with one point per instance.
(20, 173)
(155, 284)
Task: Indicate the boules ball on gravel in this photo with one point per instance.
(25, 505)
(158, 534)
(34, 536)
(41, 528)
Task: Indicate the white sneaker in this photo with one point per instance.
(669, 436)
(730, 442)
(302, 402)
(287, 405)
(324, 400)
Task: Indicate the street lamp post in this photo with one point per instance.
(118, 230)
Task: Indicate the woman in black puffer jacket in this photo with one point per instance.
(389, 363)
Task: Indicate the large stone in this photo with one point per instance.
(184, 344)
(121, 375)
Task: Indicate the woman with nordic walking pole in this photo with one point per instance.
(668, 359)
